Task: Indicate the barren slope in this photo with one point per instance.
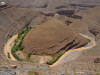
(44, 3)
(90, 22)
(52, 37)
(52, 5)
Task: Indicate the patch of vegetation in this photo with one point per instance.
(18, 42)
(97, 73)
(32, 72)
(88, 40)
(55, 58)
(9, 55)
(31, 61)
(29, 55)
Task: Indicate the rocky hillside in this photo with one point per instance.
(51, 5)
(52, 37)
(63, 22)
(13, 20)
(46, 3)
(90, 22)
(93, 21)
(88, 62)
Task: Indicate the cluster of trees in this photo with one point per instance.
(18, 42)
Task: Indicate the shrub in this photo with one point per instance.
(97, 73)
(9, 55)
(14, 54)
(21, 48)
(29, 60)
(55, 58)
(88, 40)
(14, 49)
(32, 73)
(29, 55)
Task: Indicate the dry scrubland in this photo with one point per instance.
(62, 18)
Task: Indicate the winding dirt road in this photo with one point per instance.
(8, 46)
(74, 53)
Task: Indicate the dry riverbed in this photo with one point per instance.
(69, 55)
(8, 46)
(74, 53)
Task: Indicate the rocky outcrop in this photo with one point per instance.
(68, 13)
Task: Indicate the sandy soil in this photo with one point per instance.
(74, 53)
(8, 46)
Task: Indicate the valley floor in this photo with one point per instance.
(68, 56)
